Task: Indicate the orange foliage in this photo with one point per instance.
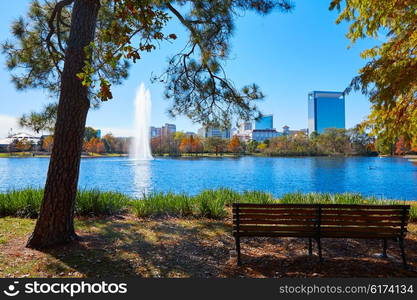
(234, 145)
(191, 144)
(23, 145)
(48, 143)
(402, 146)
(95, 145)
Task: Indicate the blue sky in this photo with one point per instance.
(287, 55)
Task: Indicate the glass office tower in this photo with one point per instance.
(265, 122)
(325, 110)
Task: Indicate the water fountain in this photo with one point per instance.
(140, 148)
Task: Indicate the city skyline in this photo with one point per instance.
(289, 71)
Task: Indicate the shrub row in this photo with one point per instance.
(26, 203)
(209, 203)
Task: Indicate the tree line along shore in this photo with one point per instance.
(332, 142)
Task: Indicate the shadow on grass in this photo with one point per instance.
(201, 248)
(159, 249)
(342, 258)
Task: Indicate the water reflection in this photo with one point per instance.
(142, 177)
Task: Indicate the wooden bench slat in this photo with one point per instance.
(251, 205)
(312, 234)
(361, 218)
(346, 229)
(354, 230)
(369, 223)
(358, 235)
(323, 212)
(275, 228)
(323, 206)
(276, 211)
(312, 222)
(275, 234)
(361, 212)
(285, 222)
(276, 217)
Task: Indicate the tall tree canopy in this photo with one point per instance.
(40, 121)
(389, 77)
(195, 79)
(79, 48)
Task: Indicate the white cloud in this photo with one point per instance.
(120, 132)
(7, 123)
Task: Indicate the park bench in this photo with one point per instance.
(317, 221)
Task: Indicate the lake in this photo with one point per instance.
(386, 177)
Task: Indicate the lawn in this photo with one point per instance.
(127, 246)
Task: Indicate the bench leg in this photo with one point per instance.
(239, 262)
(401, 244)
(310, 247)
(319, 248)
(384, 251)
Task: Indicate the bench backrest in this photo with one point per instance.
(320, 220)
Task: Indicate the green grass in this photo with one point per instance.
(21, 203)
(16, 154)
(208, 204)
(345, 198)
(98, 203)
(26, 203)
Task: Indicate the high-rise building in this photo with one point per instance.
(155, 131)
(207, 131)
(261, 135)
(259, 130)
(325, 110)
(168, 129)
(265, 122)
(245, 126)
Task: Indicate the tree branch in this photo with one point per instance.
(56, 14)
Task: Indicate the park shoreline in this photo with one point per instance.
(412, 158)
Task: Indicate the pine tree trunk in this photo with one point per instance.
(55, 223)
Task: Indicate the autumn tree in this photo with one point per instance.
(402, 146)
(177, 139)
(196, 144)
(77, 49)
(47, 143)
(94, 145)
(234, 145)
(185, 145)
(110, 143)
(191, 144)
(261, 147)
(23, 145)
(100, 148)
(389, 76)
(156, 145)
